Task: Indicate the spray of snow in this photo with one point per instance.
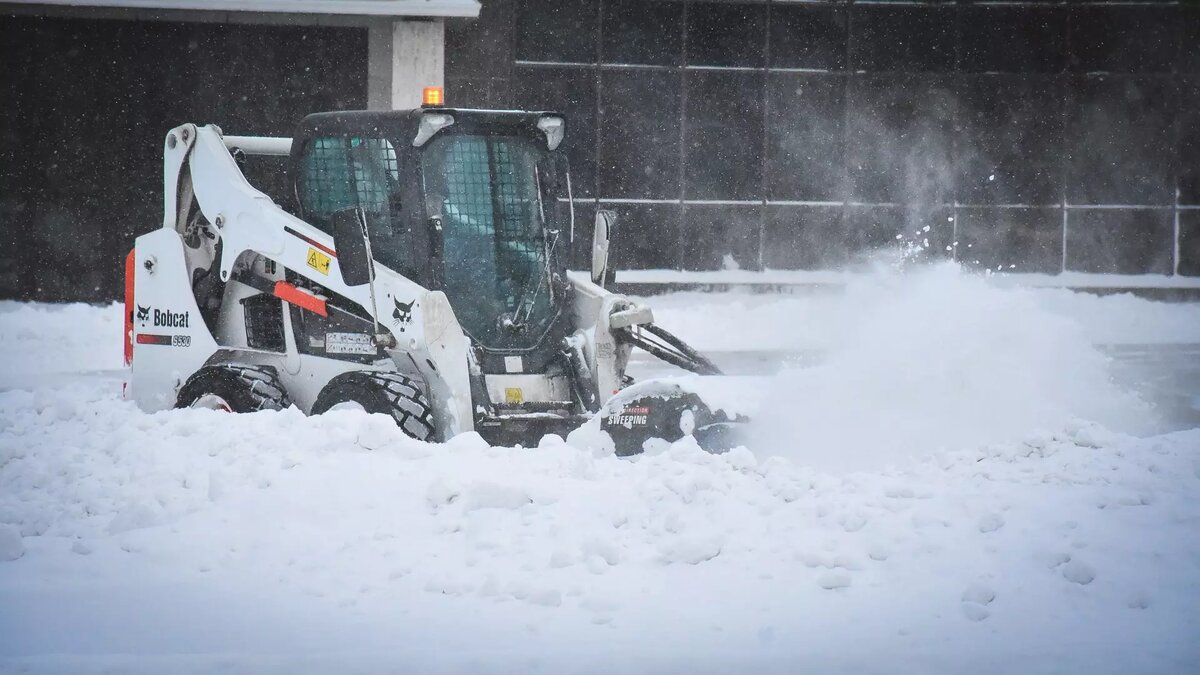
(818, 319)
(938, 359)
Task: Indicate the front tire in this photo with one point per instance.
(389, 393)
(234, 388)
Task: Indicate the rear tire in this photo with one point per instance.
(241, 388)
(389, 393)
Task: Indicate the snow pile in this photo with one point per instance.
(937, 360)
(274, 541)
(43, 342)
(1020, 540)
(1124, 318)
(11, 546)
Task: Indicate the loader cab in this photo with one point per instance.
(470, 202)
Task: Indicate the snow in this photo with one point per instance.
(11, 546)
(959, 487)
(1078, 572)
(823, 319)
(939, 361)
(728, 276)
(44, 342)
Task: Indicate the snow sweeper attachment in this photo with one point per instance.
(412, 264)
(664, 410)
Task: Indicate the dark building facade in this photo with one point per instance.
(86, 103)
(1048, 136)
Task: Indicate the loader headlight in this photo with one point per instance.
(431, 123)
(554, 128)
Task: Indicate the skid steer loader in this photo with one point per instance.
(416, 269)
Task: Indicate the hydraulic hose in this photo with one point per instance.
(669, 348)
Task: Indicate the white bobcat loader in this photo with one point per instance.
(417, 269)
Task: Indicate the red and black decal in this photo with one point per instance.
(148, 339)
(289, 293)
(311, 242)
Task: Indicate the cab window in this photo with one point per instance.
(346, 172)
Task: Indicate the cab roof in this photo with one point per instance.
(401, 122)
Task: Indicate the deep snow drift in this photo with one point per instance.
(954, 485)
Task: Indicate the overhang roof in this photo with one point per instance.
(467, 8)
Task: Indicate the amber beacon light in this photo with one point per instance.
(432, 97)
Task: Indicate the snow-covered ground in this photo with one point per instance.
(950, 476)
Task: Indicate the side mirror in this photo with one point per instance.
(605, 222)
(353, 246)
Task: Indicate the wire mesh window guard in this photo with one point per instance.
(340, 173)
(347, 172)
(490, 192)
(494, 249)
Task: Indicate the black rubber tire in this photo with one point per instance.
(245, 388)
(389, 393)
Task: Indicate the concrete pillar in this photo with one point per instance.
(379, 65)
(403, 57)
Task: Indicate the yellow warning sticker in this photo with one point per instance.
(318, 261)
(513, 395)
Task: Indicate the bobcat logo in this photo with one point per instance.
(403, 313)
(143, 314)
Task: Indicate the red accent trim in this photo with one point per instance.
(311, 242)
(130, 270)
(148, 339)
(289, 293)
